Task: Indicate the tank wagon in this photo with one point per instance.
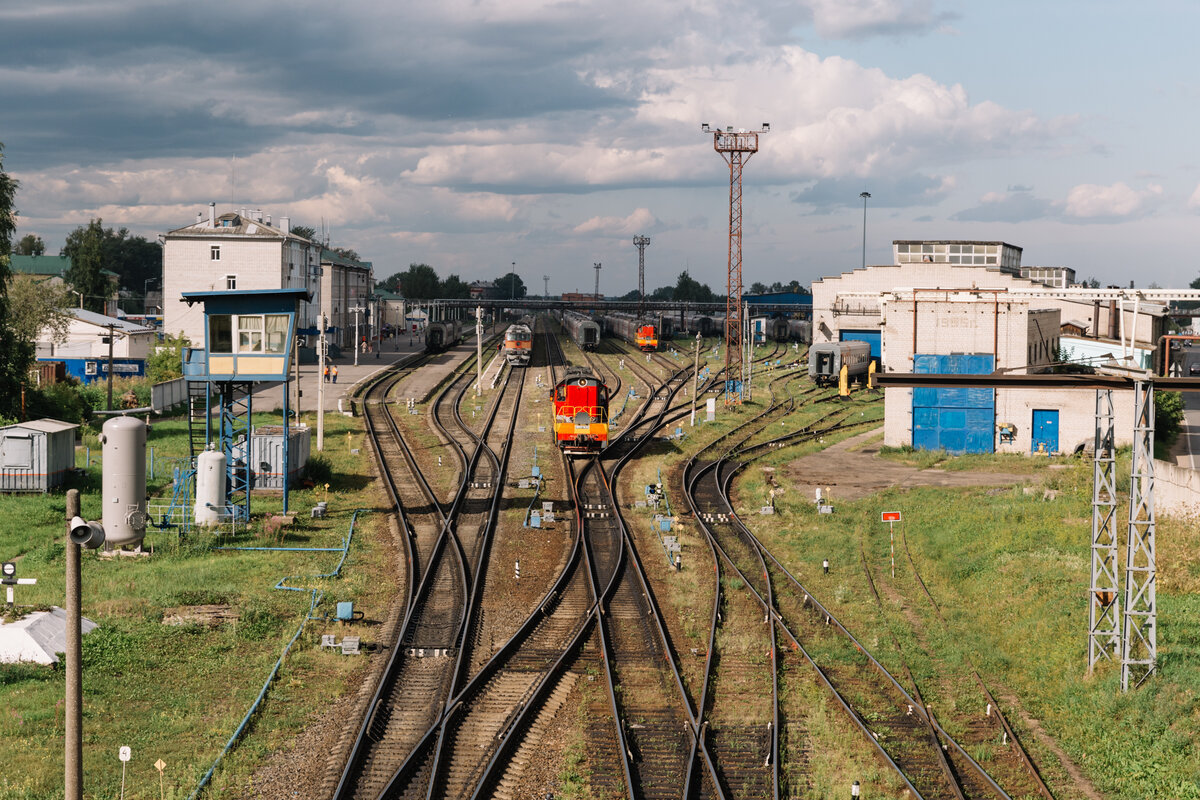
(518, 344)
(583, 330)
(825, 360)
(442, 335)
(640, 333)
(698, 323)
(800, 330)
(580, 401)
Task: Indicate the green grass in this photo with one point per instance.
(1010, 571)
(178, 692)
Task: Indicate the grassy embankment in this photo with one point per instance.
(177, 692)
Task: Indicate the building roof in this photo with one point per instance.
(233, 225)
(46, 425)
(384, 294)
(103, 321)
(38, 636)
(330, 257)
(41, 265)
(954, 241)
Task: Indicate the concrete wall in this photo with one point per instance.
(1176, 490)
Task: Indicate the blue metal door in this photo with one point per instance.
(1045, 430)
(873, 338)
(955, 420)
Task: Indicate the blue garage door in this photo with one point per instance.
(955, 420)
(873, 338)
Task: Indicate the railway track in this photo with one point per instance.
(424, 662)
(895, 721)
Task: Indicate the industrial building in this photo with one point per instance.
(945, 306)
(84, 349)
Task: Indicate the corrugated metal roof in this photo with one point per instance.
(100, 320)
(46, 425)
(40, 265)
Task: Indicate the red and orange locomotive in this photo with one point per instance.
(580, 411)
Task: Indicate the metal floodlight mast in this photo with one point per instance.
(641, 243)
(1104, 606)
(596, 296)
(736, 148)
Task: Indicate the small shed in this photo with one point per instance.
(266, 455)
(35, 456)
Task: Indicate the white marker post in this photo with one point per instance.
(8, 576)
(124, 754)
(891, 518)
(160, 765)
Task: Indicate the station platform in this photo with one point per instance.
(269, 397)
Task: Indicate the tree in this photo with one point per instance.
(166, 362)
(36, 304)
(510, 285)
(662, 293)
(304, 232)
(390, 283)
(15, 355)
(30, 245)
(689, 289)
(760, 288)
(347, 252)
(454, 288)
(419, 282)
(85, 248)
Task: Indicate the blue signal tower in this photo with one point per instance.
(249, 337)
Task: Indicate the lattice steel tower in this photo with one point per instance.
(596, 296)
(1139, 658)
(1104, 607)
(736, 148)
(641, 243)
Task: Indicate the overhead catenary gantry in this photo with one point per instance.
(736, 147)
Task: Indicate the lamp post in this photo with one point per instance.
(512, 281)
(146, 294)
(865, 196)
(357, 310)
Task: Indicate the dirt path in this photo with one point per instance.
(852, 469)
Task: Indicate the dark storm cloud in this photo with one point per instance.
(833, 194)
(96, 86)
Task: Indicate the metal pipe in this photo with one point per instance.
(73, 713)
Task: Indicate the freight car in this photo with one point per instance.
(442, 335)
(518, 344)
(582, 329)
(580, 412)
(825, 360)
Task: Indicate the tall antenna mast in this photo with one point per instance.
(641, 243)
(736, 149)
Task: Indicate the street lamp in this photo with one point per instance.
(512, 280)
(865, 196)
(146, 294)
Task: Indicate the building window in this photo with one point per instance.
(214, 252)
(220, 333)
(230, 283)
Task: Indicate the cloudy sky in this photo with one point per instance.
(471, 135)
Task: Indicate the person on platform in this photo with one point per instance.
(334, 373)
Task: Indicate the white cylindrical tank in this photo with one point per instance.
(210, 487)
(124, 481)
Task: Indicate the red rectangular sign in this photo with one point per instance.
(890, 516)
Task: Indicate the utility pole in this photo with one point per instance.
(322, 348)
(546, 286)
(512, 281)
(478, 350)
(111, 335)
(73, 713)
(596, 296)
(357, 310)
(696, 379)
(736, 149)
(641, 243)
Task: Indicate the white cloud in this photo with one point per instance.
(845, 19)
(1089, 200)
(640, 221)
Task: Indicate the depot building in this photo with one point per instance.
(927, 313)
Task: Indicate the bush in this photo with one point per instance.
(61, 400)
(1168, 415)
(319, 470)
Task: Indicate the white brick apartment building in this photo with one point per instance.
(346, 284)
(241, 250)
